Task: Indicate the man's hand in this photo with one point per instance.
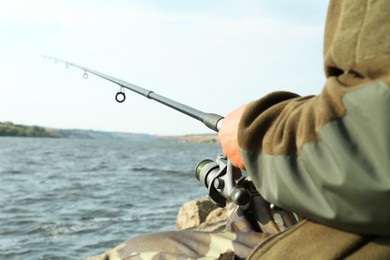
(227, 136)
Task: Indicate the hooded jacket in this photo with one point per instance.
(327, 157)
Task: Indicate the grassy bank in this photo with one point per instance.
(10, 129)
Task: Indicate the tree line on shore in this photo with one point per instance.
(10, 129)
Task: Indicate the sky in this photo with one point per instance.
(212, 55)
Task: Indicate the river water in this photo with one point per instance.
(71, 199)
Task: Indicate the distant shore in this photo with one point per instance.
(17, 130)
(196, 138)
(11, 129)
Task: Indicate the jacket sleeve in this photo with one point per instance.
(326, 157)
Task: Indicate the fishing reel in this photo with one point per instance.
(223, 181)
(226, 183)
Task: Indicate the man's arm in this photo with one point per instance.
(326, 157)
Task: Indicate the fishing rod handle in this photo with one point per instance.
(212, 121)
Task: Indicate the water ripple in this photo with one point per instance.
(70, 199)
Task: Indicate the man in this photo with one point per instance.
(325, 157)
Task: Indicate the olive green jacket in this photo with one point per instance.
(308, 240)
(327, 157)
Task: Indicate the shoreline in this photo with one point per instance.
(10, 129)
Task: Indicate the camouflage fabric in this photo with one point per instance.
(237, 242)
(186, 244)
(244, 231)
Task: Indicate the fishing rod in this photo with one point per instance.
(223, 181)
(211, 120)
(209, 173)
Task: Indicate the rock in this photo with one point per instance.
(193, 213)
(201, 214)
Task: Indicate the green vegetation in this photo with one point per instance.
(10, 129)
